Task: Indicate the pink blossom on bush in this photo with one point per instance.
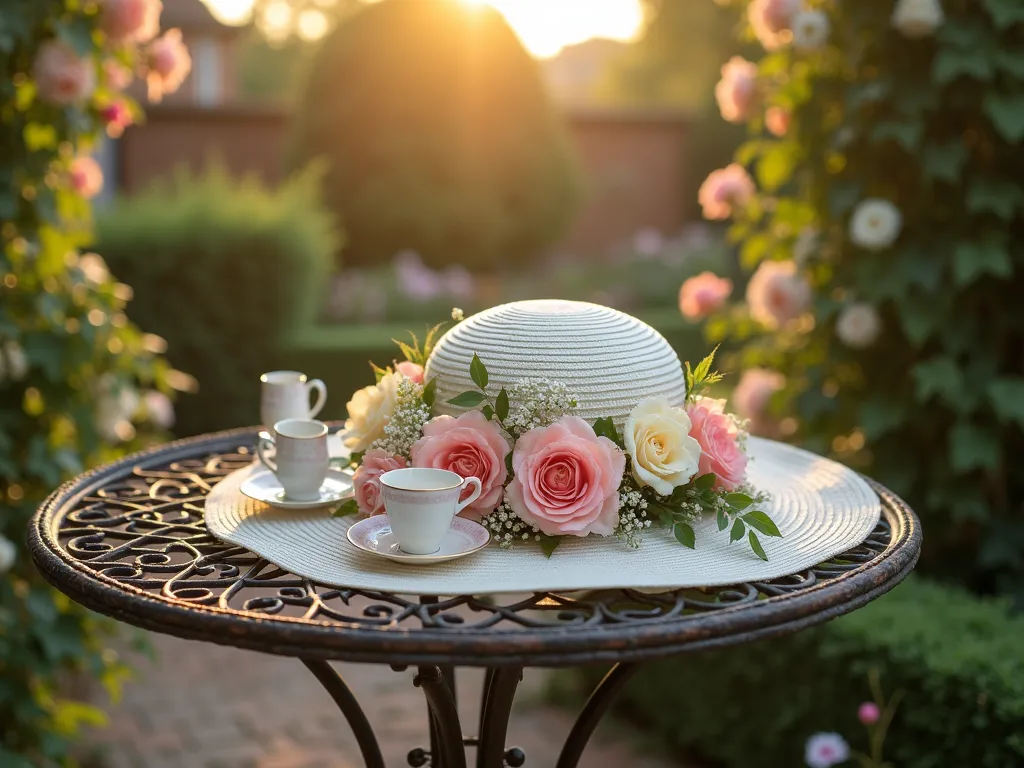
(61, 76)
(736, 91)
(366, 481)
(470, 446)
(136, 21)
(86, 176)
(825, 750)
(777, 120)
(752, 394)
(777, 293)
(771, 19)
(167, 64)
(868, 713)
(720, 449)
(412, 371)
(702, 294)
(116, 74)
(117, 117)
(725, 189)
(567, 479)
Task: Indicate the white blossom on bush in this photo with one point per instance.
(115, 407)
(13, 361)
(917, 18)
(875, 224)
(858, 325)
(159, 409)
(8, 554)
(810, 30)
(825, 750)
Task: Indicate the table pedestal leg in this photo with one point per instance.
(447, 749)
(595, 707)
(499, 691)
(349, 707)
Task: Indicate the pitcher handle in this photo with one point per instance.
(320, 388)
(478, 489)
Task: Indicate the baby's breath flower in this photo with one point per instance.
(506, 526)
(536, 403)
(406, 424)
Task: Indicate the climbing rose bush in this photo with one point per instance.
(79, 384)
(878, 205)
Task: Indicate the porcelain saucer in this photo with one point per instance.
(374, 535)
(263, 486)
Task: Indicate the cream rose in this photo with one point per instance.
(369, 411)
(657, 438)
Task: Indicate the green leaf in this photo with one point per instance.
(973, 259)
(430, 393)
(478, 371)
(972, 447)
(738, 529)
(1007, 114)
(1005, 13)
(664, 515)
(951, 63)
(738, 500)
(920, 317)
(487, 411)
(704, 482)
(938, 376)
(1007, 398)
(998, 197)
(776, 165)
(1011, 61)
(685, 535)
(502, 405)
(350, 507)
(760, 520)
(723, 520)
(549, 544)
(880, 415)
(467, 399)
(605, 427)
(755, 544)
(77, 32)
(944, 161)
(508, 464)
(906, 133)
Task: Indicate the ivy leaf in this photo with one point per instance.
(1007, 398)
(944, 161)
(705, 482)
(738, 529)
(1005, 13)
(468, 399)
(755, 544)
(549, 544)
(1011, 61)
(759, 520)
(502, 405)
(430, 392)
(77, 33)
(951, 63)
(723, 520)
(487, 411)
(776, 166)
(971, 260)
(1007, 114)
(939, 376)
(972, 447)
(906, 133)
(881, 415)
(920, 316)
(685, 535)
(998, 197)
(350, 507)
(738, 500)
(605, 427)
(478, 371)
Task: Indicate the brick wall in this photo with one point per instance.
(633, 162)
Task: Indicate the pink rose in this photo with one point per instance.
(725, 189)
(167, 63)
(777, 121)
(366, 480)
(61, 76)
(703, 294)
(412, 371)
(736, 90)
(777, 293)
(86, 176)
(136, 21)
(117, 75)
(771, 19)
(752, 394)
(117, 116)
(567, 479)
(470, 446)
(720, 450)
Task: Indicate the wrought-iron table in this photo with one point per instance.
(129, 540)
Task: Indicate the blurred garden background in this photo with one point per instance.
(831, 191)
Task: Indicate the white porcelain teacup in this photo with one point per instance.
(285, 395)
(421, 503)
(300, 458)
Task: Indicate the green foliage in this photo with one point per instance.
(963, 690)
(71, 373)
(932, 406)
(439, 135)
(222, 268)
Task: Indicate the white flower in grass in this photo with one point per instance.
(858, 325)
(917, 18)
(825, 750)
(810, 30)
(875, 224)
(8, 554)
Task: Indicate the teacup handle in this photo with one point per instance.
(266, 441)
(478, 489)
(321, 396)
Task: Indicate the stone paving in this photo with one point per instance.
(200, 705)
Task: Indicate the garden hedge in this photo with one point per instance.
(957, 658)
(222, 269)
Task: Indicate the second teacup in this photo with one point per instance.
(300, 460)
(421, 503)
